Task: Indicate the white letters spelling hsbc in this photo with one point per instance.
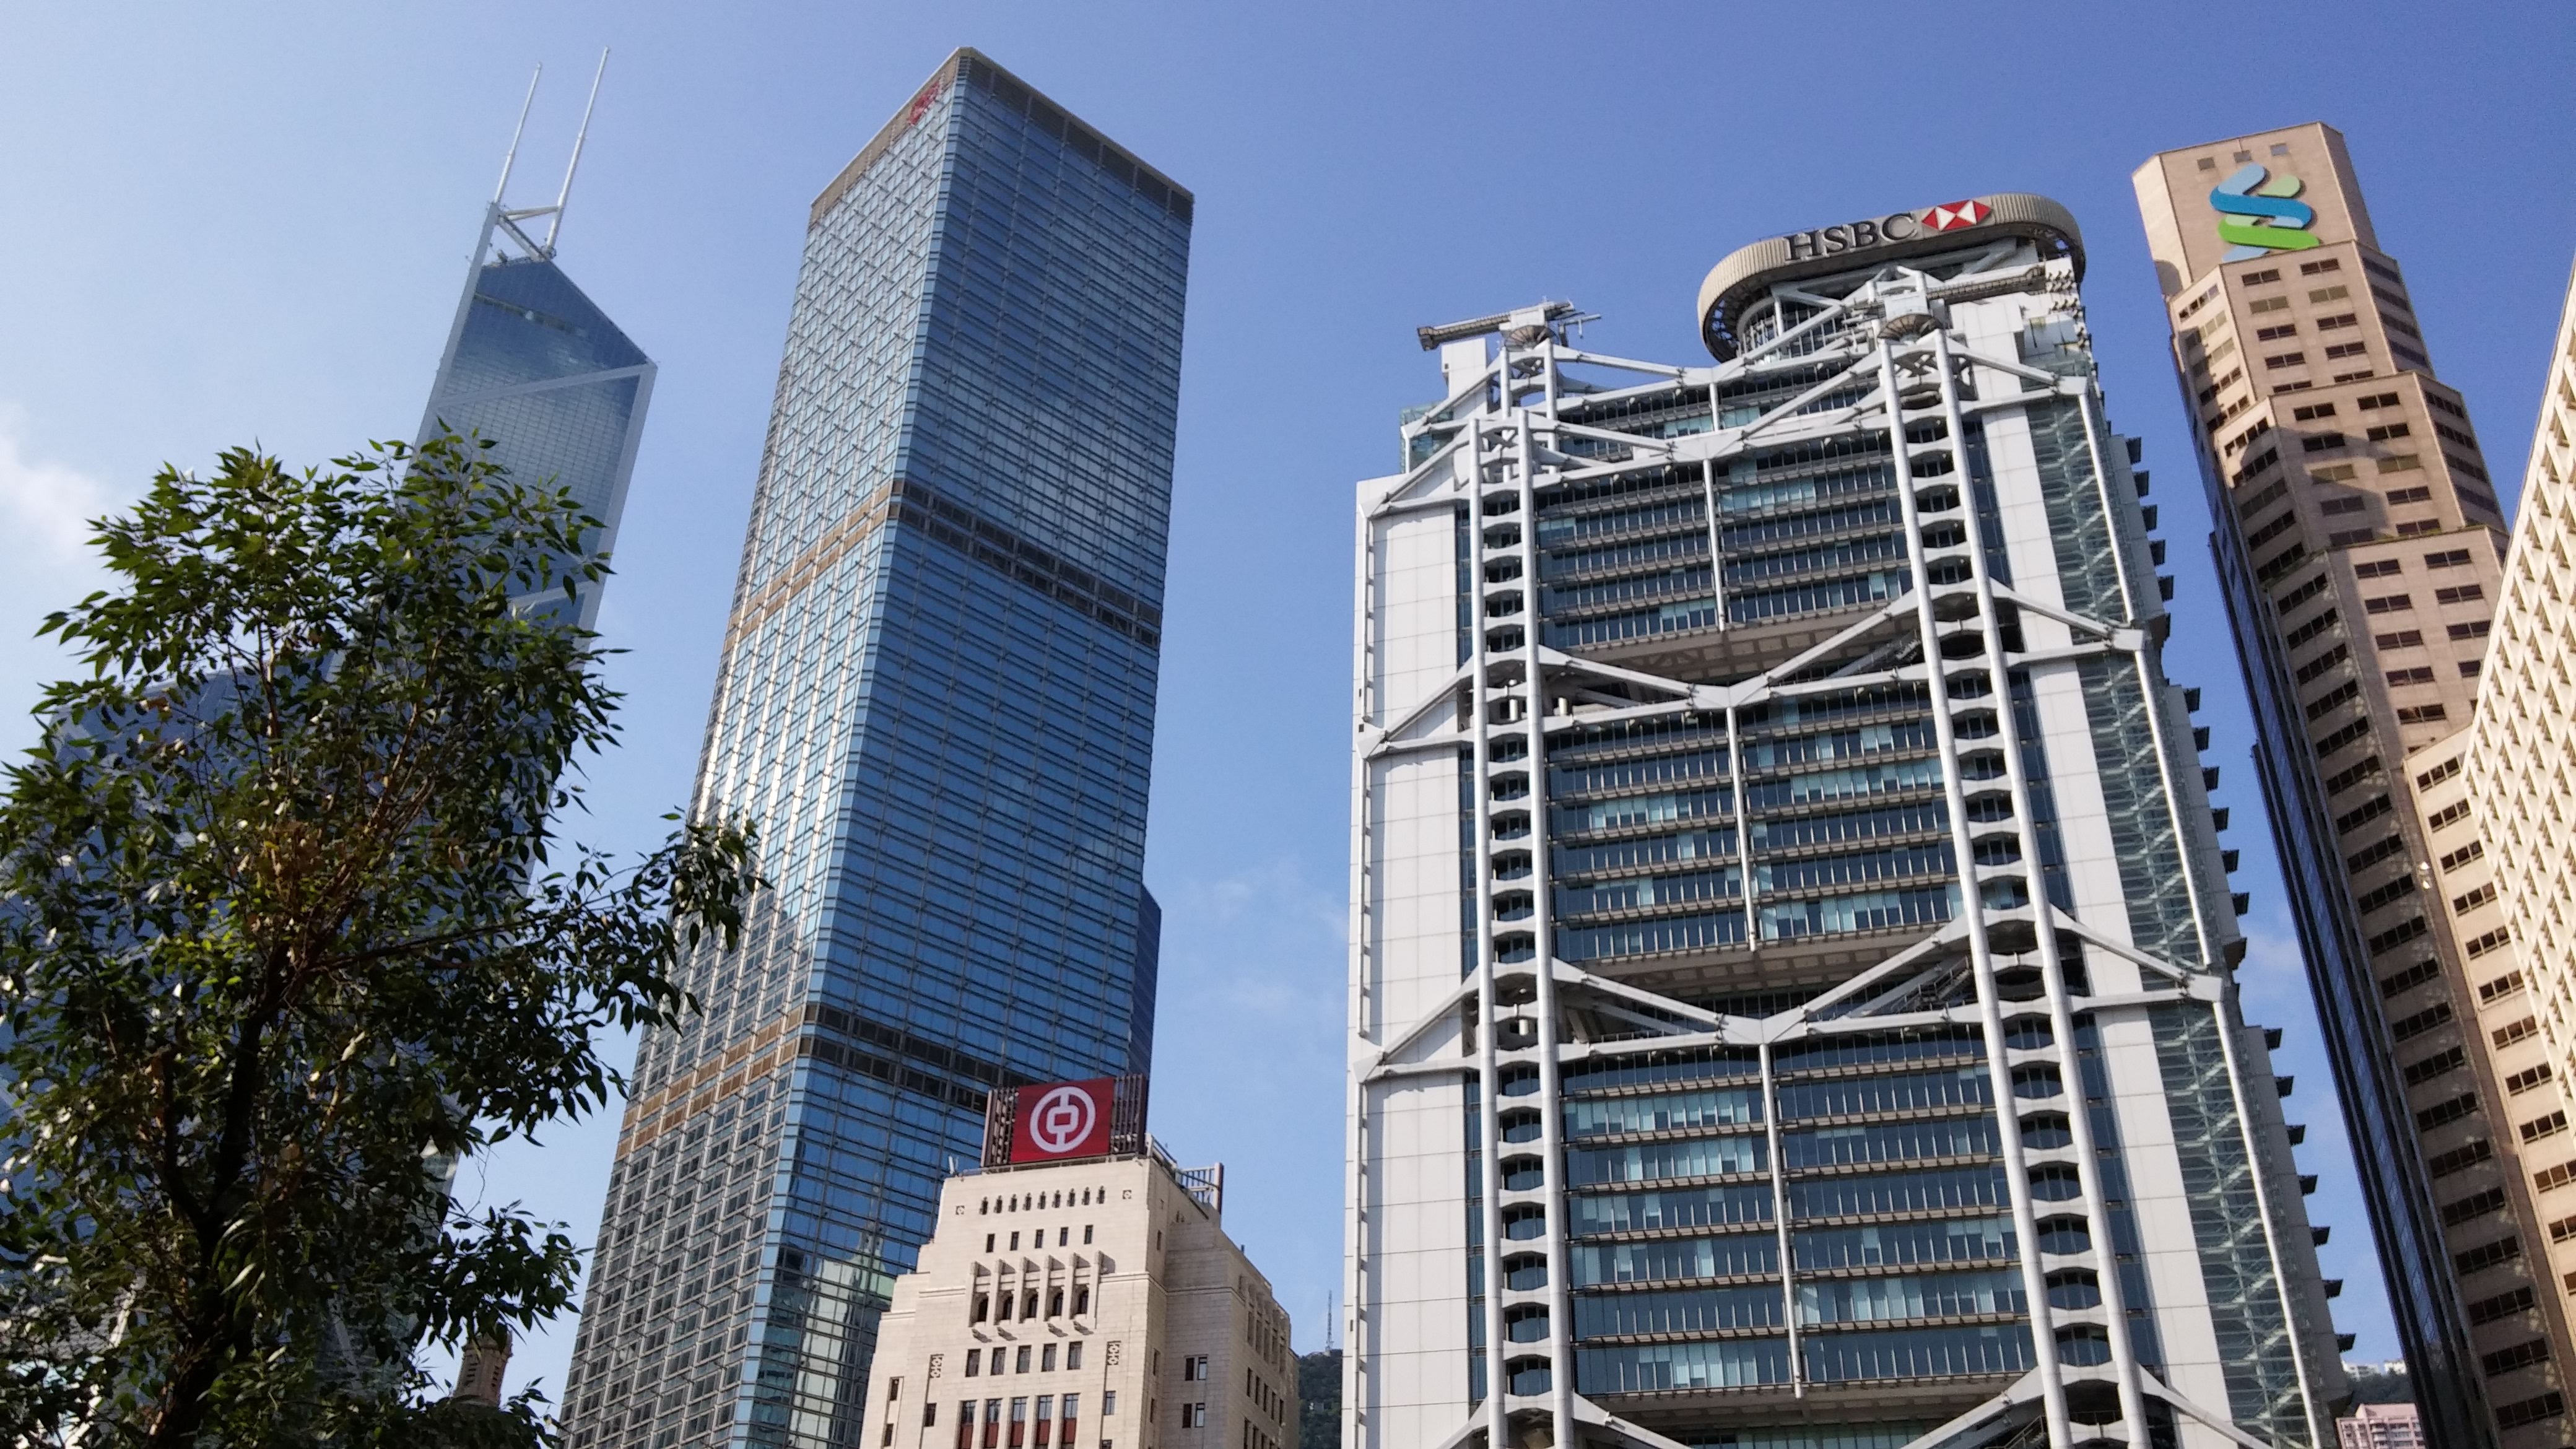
(1901, 226)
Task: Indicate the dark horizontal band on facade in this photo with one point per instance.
(893, 1073)
(1035, 566)
(830, 1035)
(857, 1031)
(1000, 549)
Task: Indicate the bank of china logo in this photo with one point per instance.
(1956, 215)
(2259, 217)
(1062, 1120)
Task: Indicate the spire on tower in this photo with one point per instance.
(513, 223)
(556, 224)
(511, 158)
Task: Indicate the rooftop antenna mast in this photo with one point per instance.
(579, 137)
(512, 157)
(513, 222)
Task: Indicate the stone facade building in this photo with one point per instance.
(1090, 1304)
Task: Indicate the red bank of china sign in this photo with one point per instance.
(1062, 1120)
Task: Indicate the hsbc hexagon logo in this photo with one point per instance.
(1062, 1119)
(1954, 215)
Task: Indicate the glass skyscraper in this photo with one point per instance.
(936, 703)
(534, 368)
(533, 365)
(1793, 997)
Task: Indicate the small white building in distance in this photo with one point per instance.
(1095, 1303)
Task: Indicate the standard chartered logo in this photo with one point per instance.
(2259, 217)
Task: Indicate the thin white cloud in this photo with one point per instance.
(2274, 977)
(1249, 1057)
(46, 563)
(1264, 940)
(45, 508)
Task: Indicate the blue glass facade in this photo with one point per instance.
(536, 367)
(936, 703)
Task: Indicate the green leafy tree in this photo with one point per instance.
(283, 934)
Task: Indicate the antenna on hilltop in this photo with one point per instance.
(1331, 1324)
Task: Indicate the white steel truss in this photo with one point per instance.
(514, 222)
(1889, 353)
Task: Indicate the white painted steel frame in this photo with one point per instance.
(1507, 416)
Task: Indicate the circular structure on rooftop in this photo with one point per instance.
(1855, 246)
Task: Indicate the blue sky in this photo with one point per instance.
(250, 223)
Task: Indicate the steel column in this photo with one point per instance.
(1972, 905)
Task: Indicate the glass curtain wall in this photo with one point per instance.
(936, 703)
(536, 368)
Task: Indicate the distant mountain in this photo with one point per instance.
(1319, 1392)
(2374, 1385)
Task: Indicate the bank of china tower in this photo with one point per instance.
(1792, 989)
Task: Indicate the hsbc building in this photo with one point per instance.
(1793, 962)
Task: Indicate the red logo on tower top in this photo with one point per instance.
(1955, 215)
(1060, 1121)
(922, 103)
(1063, 1119)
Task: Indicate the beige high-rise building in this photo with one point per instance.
(1090, 1304)
(2381, 1426)
(2536, 1157)
(2522, 749)
(2359, 545)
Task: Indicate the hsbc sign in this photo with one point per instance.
(1060, 1121)
(1735, 287)
(1853, 236)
